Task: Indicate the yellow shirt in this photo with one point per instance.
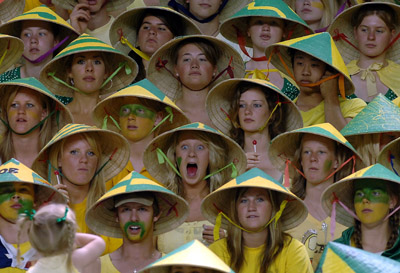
(292, 258)
(315, 235)
(127, 170)
(183, 234)
(107, 265)
(316, 115)
(112, 244)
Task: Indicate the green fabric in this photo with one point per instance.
(289, 89)
(392, 253)
(389, 95)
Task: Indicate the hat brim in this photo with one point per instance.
(12, 48)
(219, 98)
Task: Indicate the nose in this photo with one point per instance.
(266, 27)
(313, 157)
(152, 30)
(371, 35)
(16, 197)
(131, 116)
(365, 200)
(83, 158)
(306, 70)
(251, 205)
(134, 215)
(194, 63)
(21, 109)
(89, 66)
(307, 2)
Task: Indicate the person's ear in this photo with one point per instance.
(159, 118)
(44, 114)
(393, 201)
(157, 217)
(335, 163)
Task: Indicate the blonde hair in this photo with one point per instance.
(298, 186)
(218, 159)
(274, 241)
(97, 185)
(329, 12)
(7, 150)
(367, 145)
(49, 235)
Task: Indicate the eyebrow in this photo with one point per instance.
(158, 24)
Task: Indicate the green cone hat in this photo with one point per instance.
(343, 258)
(343, 190)
(189, 255)
(144, 90)
(114, 60)
(320, 46)
(101, 216)
(294, 25)
(14, 171)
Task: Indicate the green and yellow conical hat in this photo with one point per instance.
(294, 213)
(239, 22)
(339, 257)
(341, 30)
(14, 171)
(11, 49)
(231, 7)
(60, 114)
(101, 216)
(343, 190)
(145, 90)
(285, 145)
(379, 116)
(42, 13)
(234, 154)
(114, 61)
(115, 150)
(111, 5)
(389, 156)
(219, 104)
(167, 83)
(320, 46)
(194, 254)
(128, 23)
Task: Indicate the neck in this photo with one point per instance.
(76, 193)
(33, 70)
(9, 231)
(262, 138)
(255, 239)
(193, 99)
(314, 25)
(137, 149)
(211, 28)
(313, 198)
(308, 100)
(98, 19)
(84, 104)
(26, 147)
(195, 192)
(365, 61)
(139, 250)
(375, 237)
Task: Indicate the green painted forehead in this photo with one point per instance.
(370, 183)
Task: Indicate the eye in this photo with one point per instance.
(321, 152)
(243, 200)
(30, 105)
(200, 147)
(184, 147)
(26, 34)
(80, 61)
(376, 192)
(260, 199)
(242, 105)
(42, 33)
(162, 28)
(125, 111)
(257, 105)
(124, 209)
(186, 59)
(73, 152)
(91, 153)
(299, 63)
(141, 110)
(315, 65)
(98, 62)
(143, 209)
(24, 190)
(306, 152)
(359, 194)
(14, 105)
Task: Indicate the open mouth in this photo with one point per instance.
(191, 169)
(134, 228)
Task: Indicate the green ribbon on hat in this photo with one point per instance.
(170, 116)
(233, 175)
(162, 158)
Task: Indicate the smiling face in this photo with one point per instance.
(78, 161)
(25, 110)
(254, 209)
(136, 221)
(193, 156)
(310, 11)
(318, 158)
(253, 110)
(193, 68)
(373, 36)
(307, 69)
(203, 9)
(265, 31)
(136, 120)
(153, 33)
(371, 200)
(15, 198)
(88, 71)
(38, 39)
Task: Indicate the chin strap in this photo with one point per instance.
(125, 41)
(221, 214)
(181, 8)
(45, 55)
(333, 213)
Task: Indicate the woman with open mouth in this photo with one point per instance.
(368, 203)
(85, 71)
(313, 158)
(31, 115)
(192, 161)
(78, 161)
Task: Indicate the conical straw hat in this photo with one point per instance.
(11, 48)
(111, 5)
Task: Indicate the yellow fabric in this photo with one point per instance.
(112, 244)
(315, 245)
(262, 75)
(54, 264)
(106, 265)
(136, 4)
(102, 33)
(316, 115)
(293, 257)
(183, 234)
(389, 75)
(127, 170)
(11, 270)
(30, 4)
(397, 101)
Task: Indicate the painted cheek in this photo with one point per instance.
(27, 204)
(317, 5)
(327, 165)
(377, 212)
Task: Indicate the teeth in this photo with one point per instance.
(134, 227)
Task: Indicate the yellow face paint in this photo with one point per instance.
(317, 5)
(15, 199)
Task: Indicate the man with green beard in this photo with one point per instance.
(136, 209)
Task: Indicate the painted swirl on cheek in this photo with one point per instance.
(327, 165)
(317, 5)
(140, 224)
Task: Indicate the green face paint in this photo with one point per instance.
(373, 190)
(137, 110)
(7, 191)
(327, 165)
(133, 237)
(26, 205)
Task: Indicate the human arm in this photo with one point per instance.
(90, 247)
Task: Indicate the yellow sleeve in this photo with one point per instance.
(221, 250)
(296, 258)
(350, 108)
